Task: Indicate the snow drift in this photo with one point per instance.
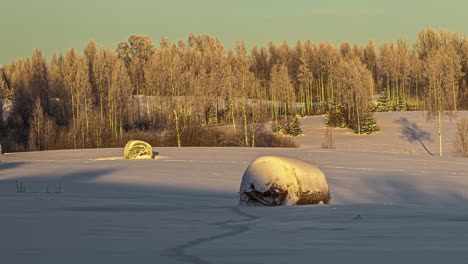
(136, 149)
(273, 181)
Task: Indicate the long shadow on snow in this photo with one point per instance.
(5, 166)
(150, 198)
(86, 183)
(400, 188)
(411, 132)
(45, 182)
(101, 198)
(10, 165)
(143, 199)
(400, 191)
(76, 176)
(178, 199)
(415, 193)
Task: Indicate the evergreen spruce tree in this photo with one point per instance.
(337, 116)
(213, 118)
(383, 104)
(401, 106)
(293, 127)
(368, 124)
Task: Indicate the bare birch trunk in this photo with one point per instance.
(439, 119)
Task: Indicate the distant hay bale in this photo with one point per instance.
(274, 181)
(136, 149)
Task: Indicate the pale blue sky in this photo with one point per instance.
(55, 25)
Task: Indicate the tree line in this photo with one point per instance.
(175, 91)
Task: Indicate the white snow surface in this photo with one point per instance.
(289, 174)
(389, 204)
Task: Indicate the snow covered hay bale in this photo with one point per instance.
(136, 149)
(274, 181)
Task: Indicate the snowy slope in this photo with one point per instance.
(401, 132)
(388, 206)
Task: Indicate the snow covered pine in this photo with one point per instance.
(274, 181)
(136, 149)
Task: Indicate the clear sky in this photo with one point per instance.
(55, 25)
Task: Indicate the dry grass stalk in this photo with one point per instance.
(461, 139)
(328, 140)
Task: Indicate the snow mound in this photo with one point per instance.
(274, 180)
(136, 149)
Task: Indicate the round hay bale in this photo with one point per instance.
(136, 149)
(274, 181)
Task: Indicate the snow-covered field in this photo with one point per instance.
(392, 202)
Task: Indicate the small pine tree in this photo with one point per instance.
(337, 116)
(401, 106)
(368, 124)
(383, 104)
(212, 118)
(9, 94)
(291, 126)
(7, 91)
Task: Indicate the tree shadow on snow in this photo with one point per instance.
(412, 133)
(5, 166)
(88, 184)
(400, 188)
(10, 165)
(53, 182)
(415, 193)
